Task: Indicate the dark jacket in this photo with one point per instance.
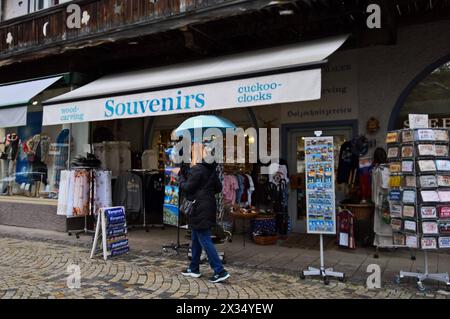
(201, 183)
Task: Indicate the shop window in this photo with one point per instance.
(431, 95)
(33, 158)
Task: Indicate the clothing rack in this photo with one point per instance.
(142, 173)
(85, 230)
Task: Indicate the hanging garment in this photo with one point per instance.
(45, 148)
(61, 157)
(348, 163)
(150, 159)
(63, 193)
(124, 156)
(81, 192)
(246, 185)
(381, 220)
(128, 192)
(100, 153)
(230, 186)
(250, 190)
(260, 197)
(240, 189)
(154, 198)
(103, 191)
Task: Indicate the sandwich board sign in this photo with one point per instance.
(112, 230)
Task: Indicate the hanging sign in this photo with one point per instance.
(418, 120)
(320, 195)
(112, 229)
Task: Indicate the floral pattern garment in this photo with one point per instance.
(103, 192)
(81, 192)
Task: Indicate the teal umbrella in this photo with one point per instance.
(203, 122)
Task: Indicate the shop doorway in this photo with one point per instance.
(296, 161)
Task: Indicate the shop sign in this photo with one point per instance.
(339, 98)
(272, 89)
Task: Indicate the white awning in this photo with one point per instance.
(277, 75)
(21, 93)
(13, 117)
(14, 99)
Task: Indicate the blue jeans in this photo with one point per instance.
(201, 239)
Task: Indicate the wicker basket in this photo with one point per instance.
(265, 240)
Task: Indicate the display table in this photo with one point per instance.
(363, 227)
(244, 218)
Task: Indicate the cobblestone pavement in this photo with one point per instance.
(38, 269)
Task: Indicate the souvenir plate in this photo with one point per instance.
(407, 136)
(444, 211)
(409, 181)
(430, 196)
(395, 210)
(430, 228)
(426, 150)
(428, 181)
(441, 135)
(425, 135)
(427, 166)
(392, 152)
(410, 225)
(443, 165)
(443, 180)
(395, 181)
(428, 212)
(407, 166)
(428, 243)
(392, 137)
(444, 196)
(409, 211)
(396, 224)
(398, 239)
(395, 167)
(407, 151)
(441, 150)
(409, 197)
(444, 242)
(411, 241)
(444, 227)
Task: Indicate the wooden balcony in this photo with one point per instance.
(106, 21)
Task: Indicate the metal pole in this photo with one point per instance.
(322, 263)
(426, 261)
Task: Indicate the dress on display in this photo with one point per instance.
(81, 193)
(382, 226)
(103, 191)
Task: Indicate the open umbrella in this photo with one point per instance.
(203, 122)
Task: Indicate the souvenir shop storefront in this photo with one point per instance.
(130, 118)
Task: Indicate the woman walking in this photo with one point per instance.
(201, 183)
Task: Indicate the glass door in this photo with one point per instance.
(296, 160)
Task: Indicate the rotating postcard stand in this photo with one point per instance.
(419, 194)
(320, 198)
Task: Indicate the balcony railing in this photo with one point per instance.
(102, 20)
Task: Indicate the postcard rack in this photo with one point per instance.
(419, 194)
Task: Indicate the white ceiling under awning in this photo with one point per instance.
(272, 59)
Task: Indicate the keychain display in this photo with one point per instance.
(407, 151)
(428, 181)
(427, 212)
(442, 150)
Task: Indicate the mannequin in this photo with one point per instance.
(38, 150)
(11, 143)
